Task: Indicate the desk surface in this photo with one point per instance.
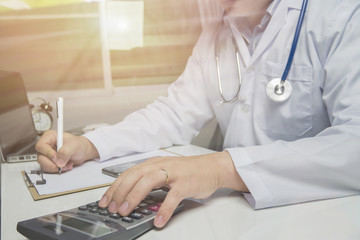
(225, 215)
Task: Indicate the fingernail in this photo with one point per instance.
(64, 169)
(60, 162)
(112, 207)
(159, 221)
(124, 207)
(67, 167)
(103, 201)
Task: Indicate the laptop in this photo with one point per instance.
(17, 131)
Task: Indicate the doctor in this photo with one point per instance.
(302, 147)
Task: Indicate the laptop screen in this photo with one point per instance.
(16, 124)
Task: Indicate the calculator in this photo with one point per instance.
(116, 170)
(90, 222)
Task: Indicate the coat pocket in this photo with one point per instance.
(292, 117)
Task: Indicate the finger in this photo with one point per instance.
(69, 166)
(141, 189)
(63, 156)
(108, 195)
(46, 164)
(129, 178)
(45, 145)
(172, 200)
(50, 167)
(106, 198)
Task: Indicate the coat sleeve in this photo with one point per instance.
(174, 119)
(326, 165)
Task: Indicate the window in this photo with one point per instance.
(171, 29)
(62, 48)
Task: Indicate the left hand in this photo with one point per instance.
(195, 176)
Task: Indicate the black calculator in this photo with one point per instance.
(93, 222)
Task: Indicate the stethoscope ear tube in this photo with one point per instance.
(236, 97)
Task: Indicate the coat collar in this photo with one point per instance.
(277, 21)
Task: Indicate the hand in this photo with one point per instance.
(75, 151)
(196, 177)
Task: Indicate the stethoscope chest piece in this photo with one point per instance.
(278, 91)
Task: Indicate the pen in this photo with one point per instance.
(60, 123)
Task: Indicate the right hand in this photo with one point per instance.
(75, 151)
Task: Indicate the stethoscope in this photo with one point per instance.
(278, 89)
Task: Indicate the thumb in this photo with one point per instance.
(62, 157)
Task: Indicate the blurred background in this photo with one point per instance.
(106, 58)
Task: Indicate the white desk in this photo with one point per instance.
(226, 215)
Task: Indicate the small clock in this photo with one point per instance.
(41, 115)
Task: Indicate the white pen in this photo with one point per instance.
(60, 123)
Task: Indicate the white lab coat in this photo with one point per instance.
(304, 149)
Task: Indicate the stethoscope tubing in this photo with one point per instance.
(237, 53)
(295, 40)
(277, 89)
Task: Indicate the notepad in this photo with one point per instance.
(83, 177)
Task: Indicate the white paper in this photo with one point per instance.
(86, 175)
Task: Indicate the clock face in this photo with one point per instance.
(42, 121)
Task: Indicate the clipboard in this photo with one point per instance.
(35, 195)
(81, 178)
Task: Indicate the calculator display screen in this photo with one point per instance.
(89, 227)
(92, 229)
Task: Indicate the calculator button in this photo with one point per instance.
(104, 212)
(93, 210)
(106, 220)
(115, 215)
(143, 205)
(83, 208)
(127, 219)
(154, 208)
(150, 201)
(144, 211)
(151, 198)
(92, 205)
(136, 215)
(157, 199)
(102, 208)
